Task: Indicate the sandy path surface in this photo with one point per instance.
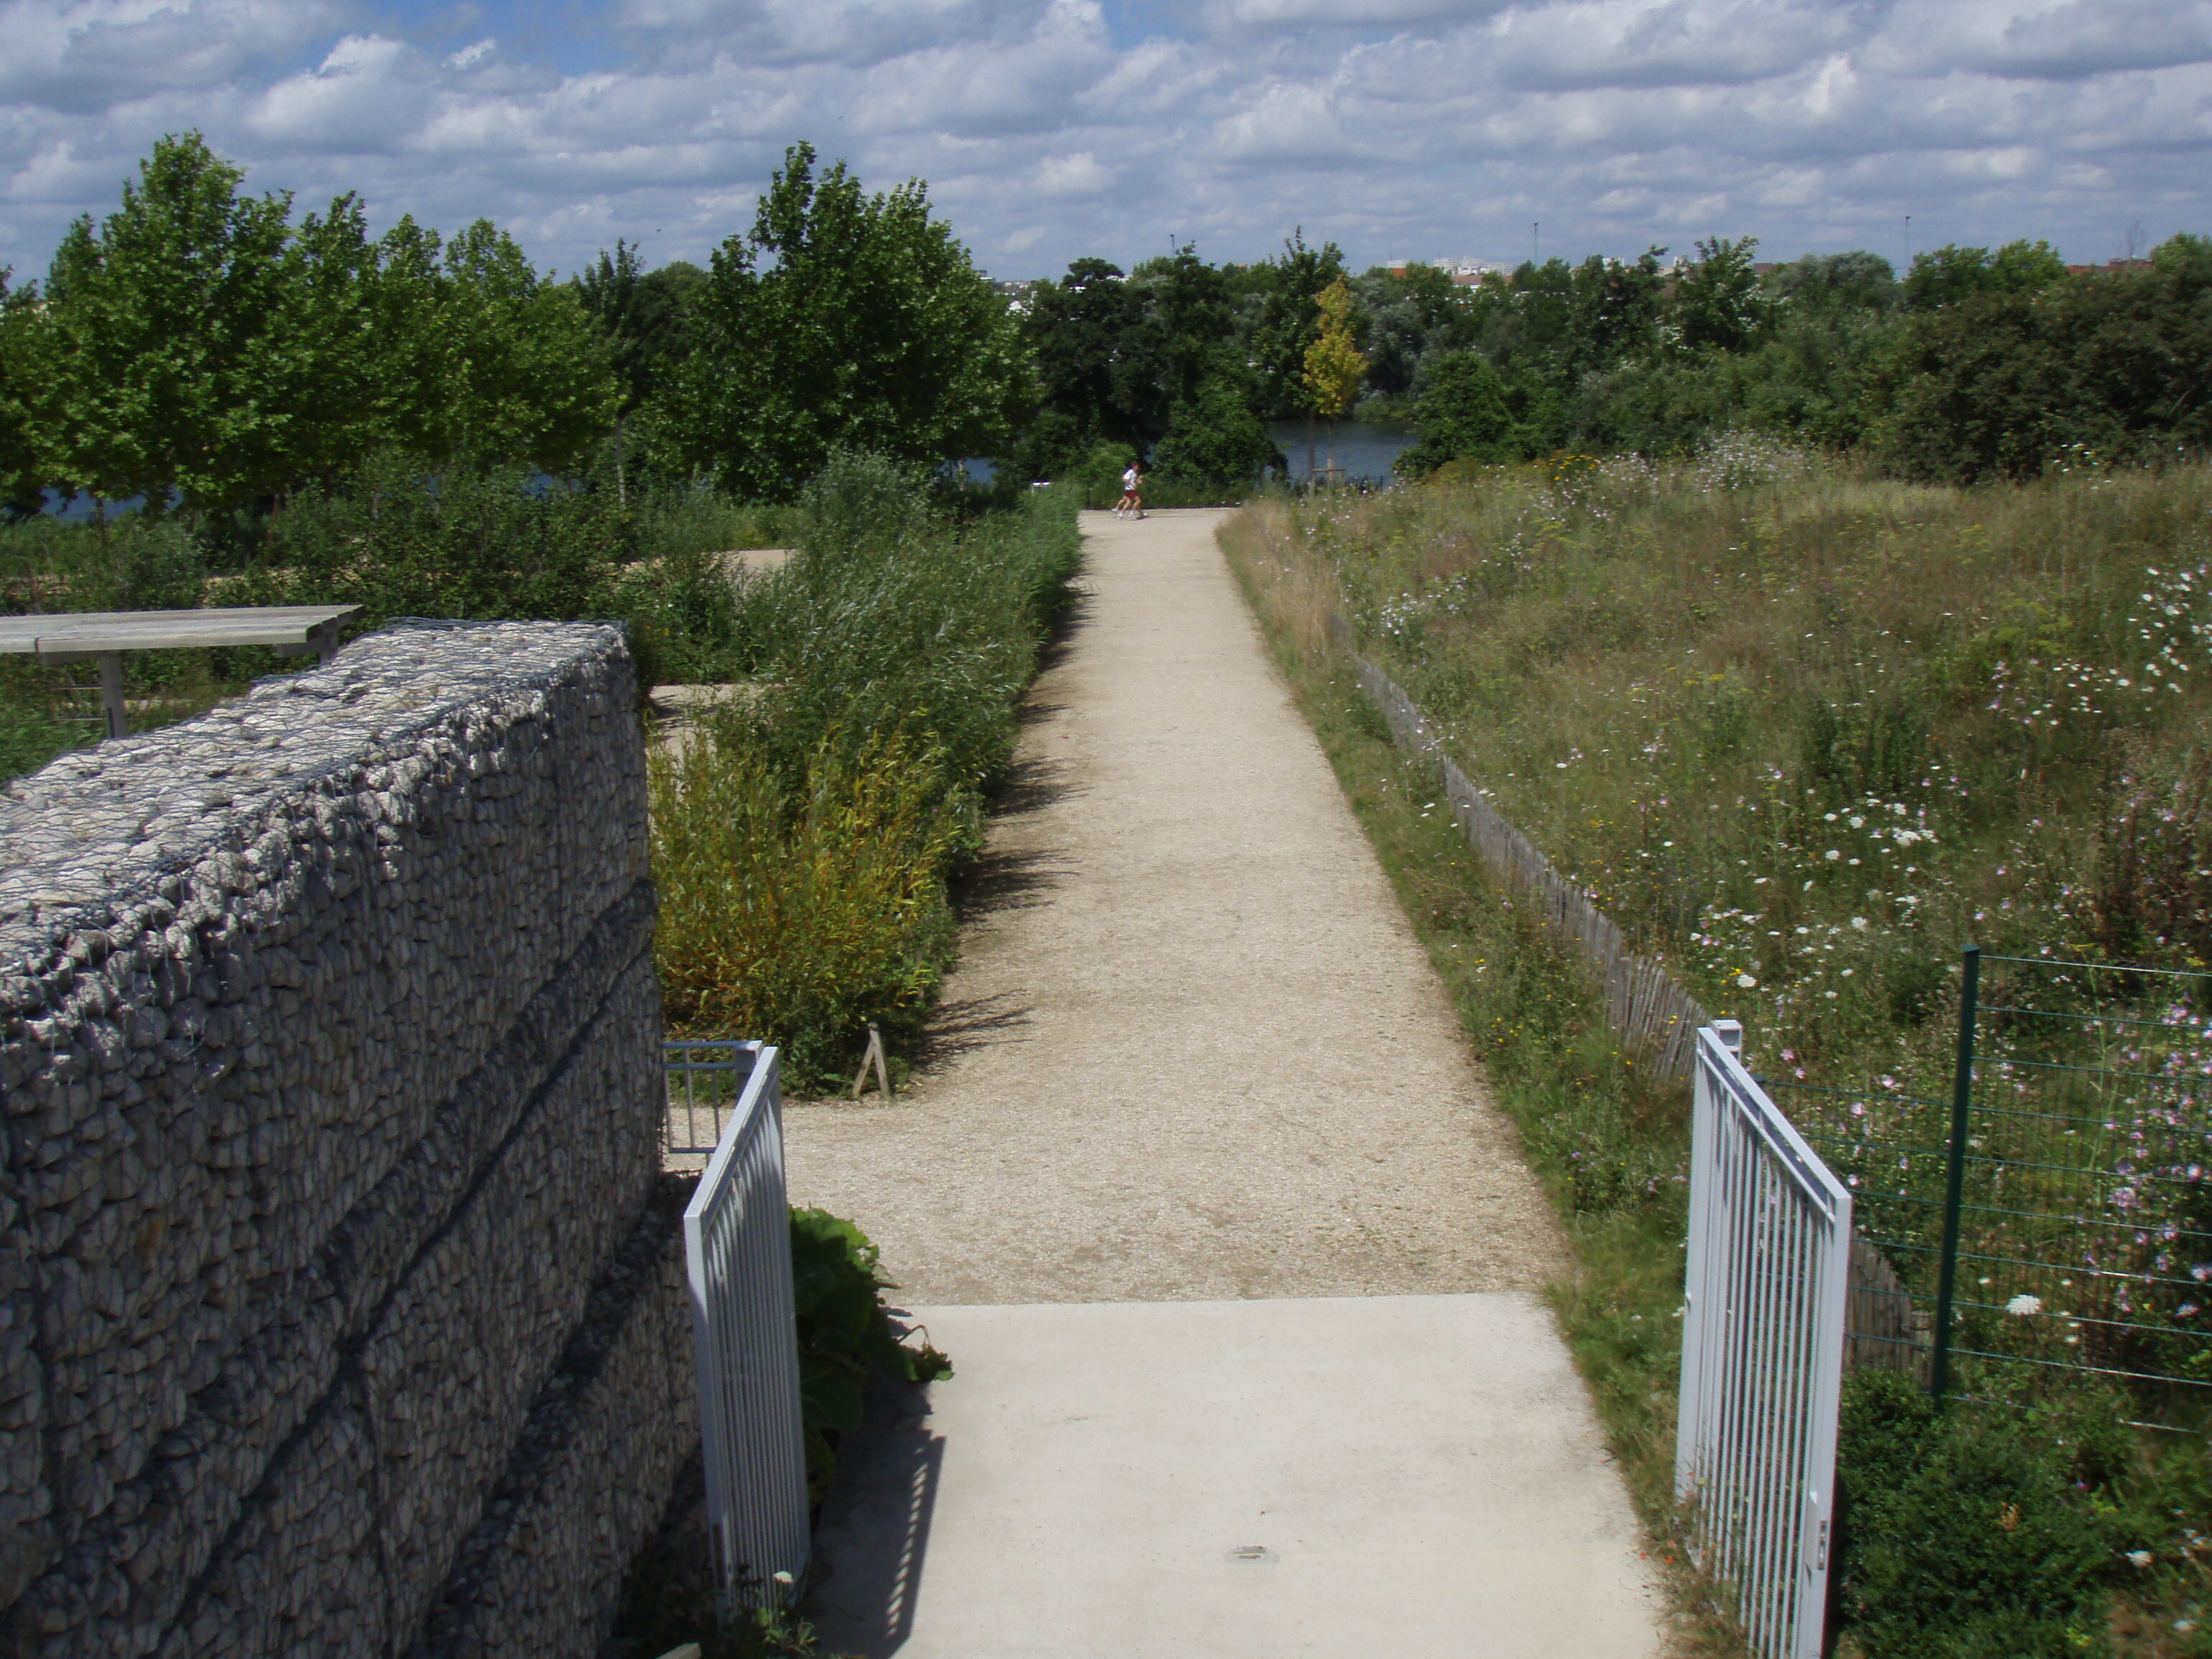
(1192, 1050)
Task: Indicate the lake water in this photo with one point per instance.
(1362, 449)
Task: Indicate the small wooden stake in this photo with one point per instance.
(874, 1057)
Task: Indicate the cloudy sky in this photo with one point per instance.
(1049, 129)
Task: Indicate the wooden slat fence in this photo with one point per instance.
(1656, 1019)
(1885, 1331)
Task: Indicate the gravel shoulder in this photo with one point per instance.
(1192, 1050)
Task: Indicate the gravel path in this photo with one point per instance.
(1192, 1050)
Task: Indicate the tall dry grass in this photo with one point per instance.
(1806, 732)
(1293, 588)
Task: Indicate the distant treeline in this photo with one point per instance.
(206, 350)
(1977, 363)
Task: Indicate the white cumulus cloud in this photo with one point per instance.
(1053, 128)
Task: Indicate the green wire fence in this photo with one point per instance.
(2051, 1219)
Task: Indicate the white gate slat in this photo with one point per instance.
(737, 1238)
(1766, 1279)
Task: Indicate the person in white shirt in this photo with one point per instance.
(1132, 504)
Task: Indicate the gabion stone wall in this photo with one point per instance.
(330, 1069)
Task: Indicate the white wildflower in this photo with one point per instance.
(2024, 1305)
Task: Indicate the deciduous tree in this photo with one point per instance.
(165, 333)
(21, 479)
(843, 320)
(1333, 365)
(490, 361)
(1719, 302)
(644, 317)
(1286, 323)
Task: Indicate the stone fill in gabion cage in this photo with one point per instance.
(340, 1305)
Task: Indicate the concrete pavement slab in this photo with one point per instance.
(1401, 1476)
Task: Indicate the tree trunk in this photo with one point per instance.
(1309, 449)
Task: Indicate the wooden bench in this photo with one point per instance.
(293, 630)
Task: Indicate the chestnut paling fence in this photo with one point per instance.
(1655, 1018)
(737, 1237)
(1765, 1299)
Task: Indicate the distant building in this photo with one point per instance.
(1467, 272)
(1460, 271)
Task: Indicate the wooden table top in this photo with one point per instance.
(145, 630)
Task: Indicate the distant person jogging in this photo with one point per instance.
(1132, 504)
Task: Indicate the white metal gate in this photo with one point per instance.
(737, 1233)
(1762, 1353)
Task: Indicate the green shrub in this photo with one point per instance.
(1971, 1535)
(683, 615)
(675, 519)
(2009, 380)
(891, 616)
(399, 541)
(845, 1336)
(1215, 442)
(29, 737)
(1464, 414)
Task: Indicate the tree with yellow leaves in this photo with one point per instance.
(1333, 365)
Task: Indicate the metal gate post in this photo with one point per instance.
(1955, 1172)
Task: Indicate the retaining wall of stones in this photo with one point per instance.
(330, 1071)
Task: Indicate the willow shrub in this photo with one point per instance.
(804, 917)
(802, 849)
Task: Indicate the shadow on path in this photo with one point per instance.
(961, 1028)
(879, 1512)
